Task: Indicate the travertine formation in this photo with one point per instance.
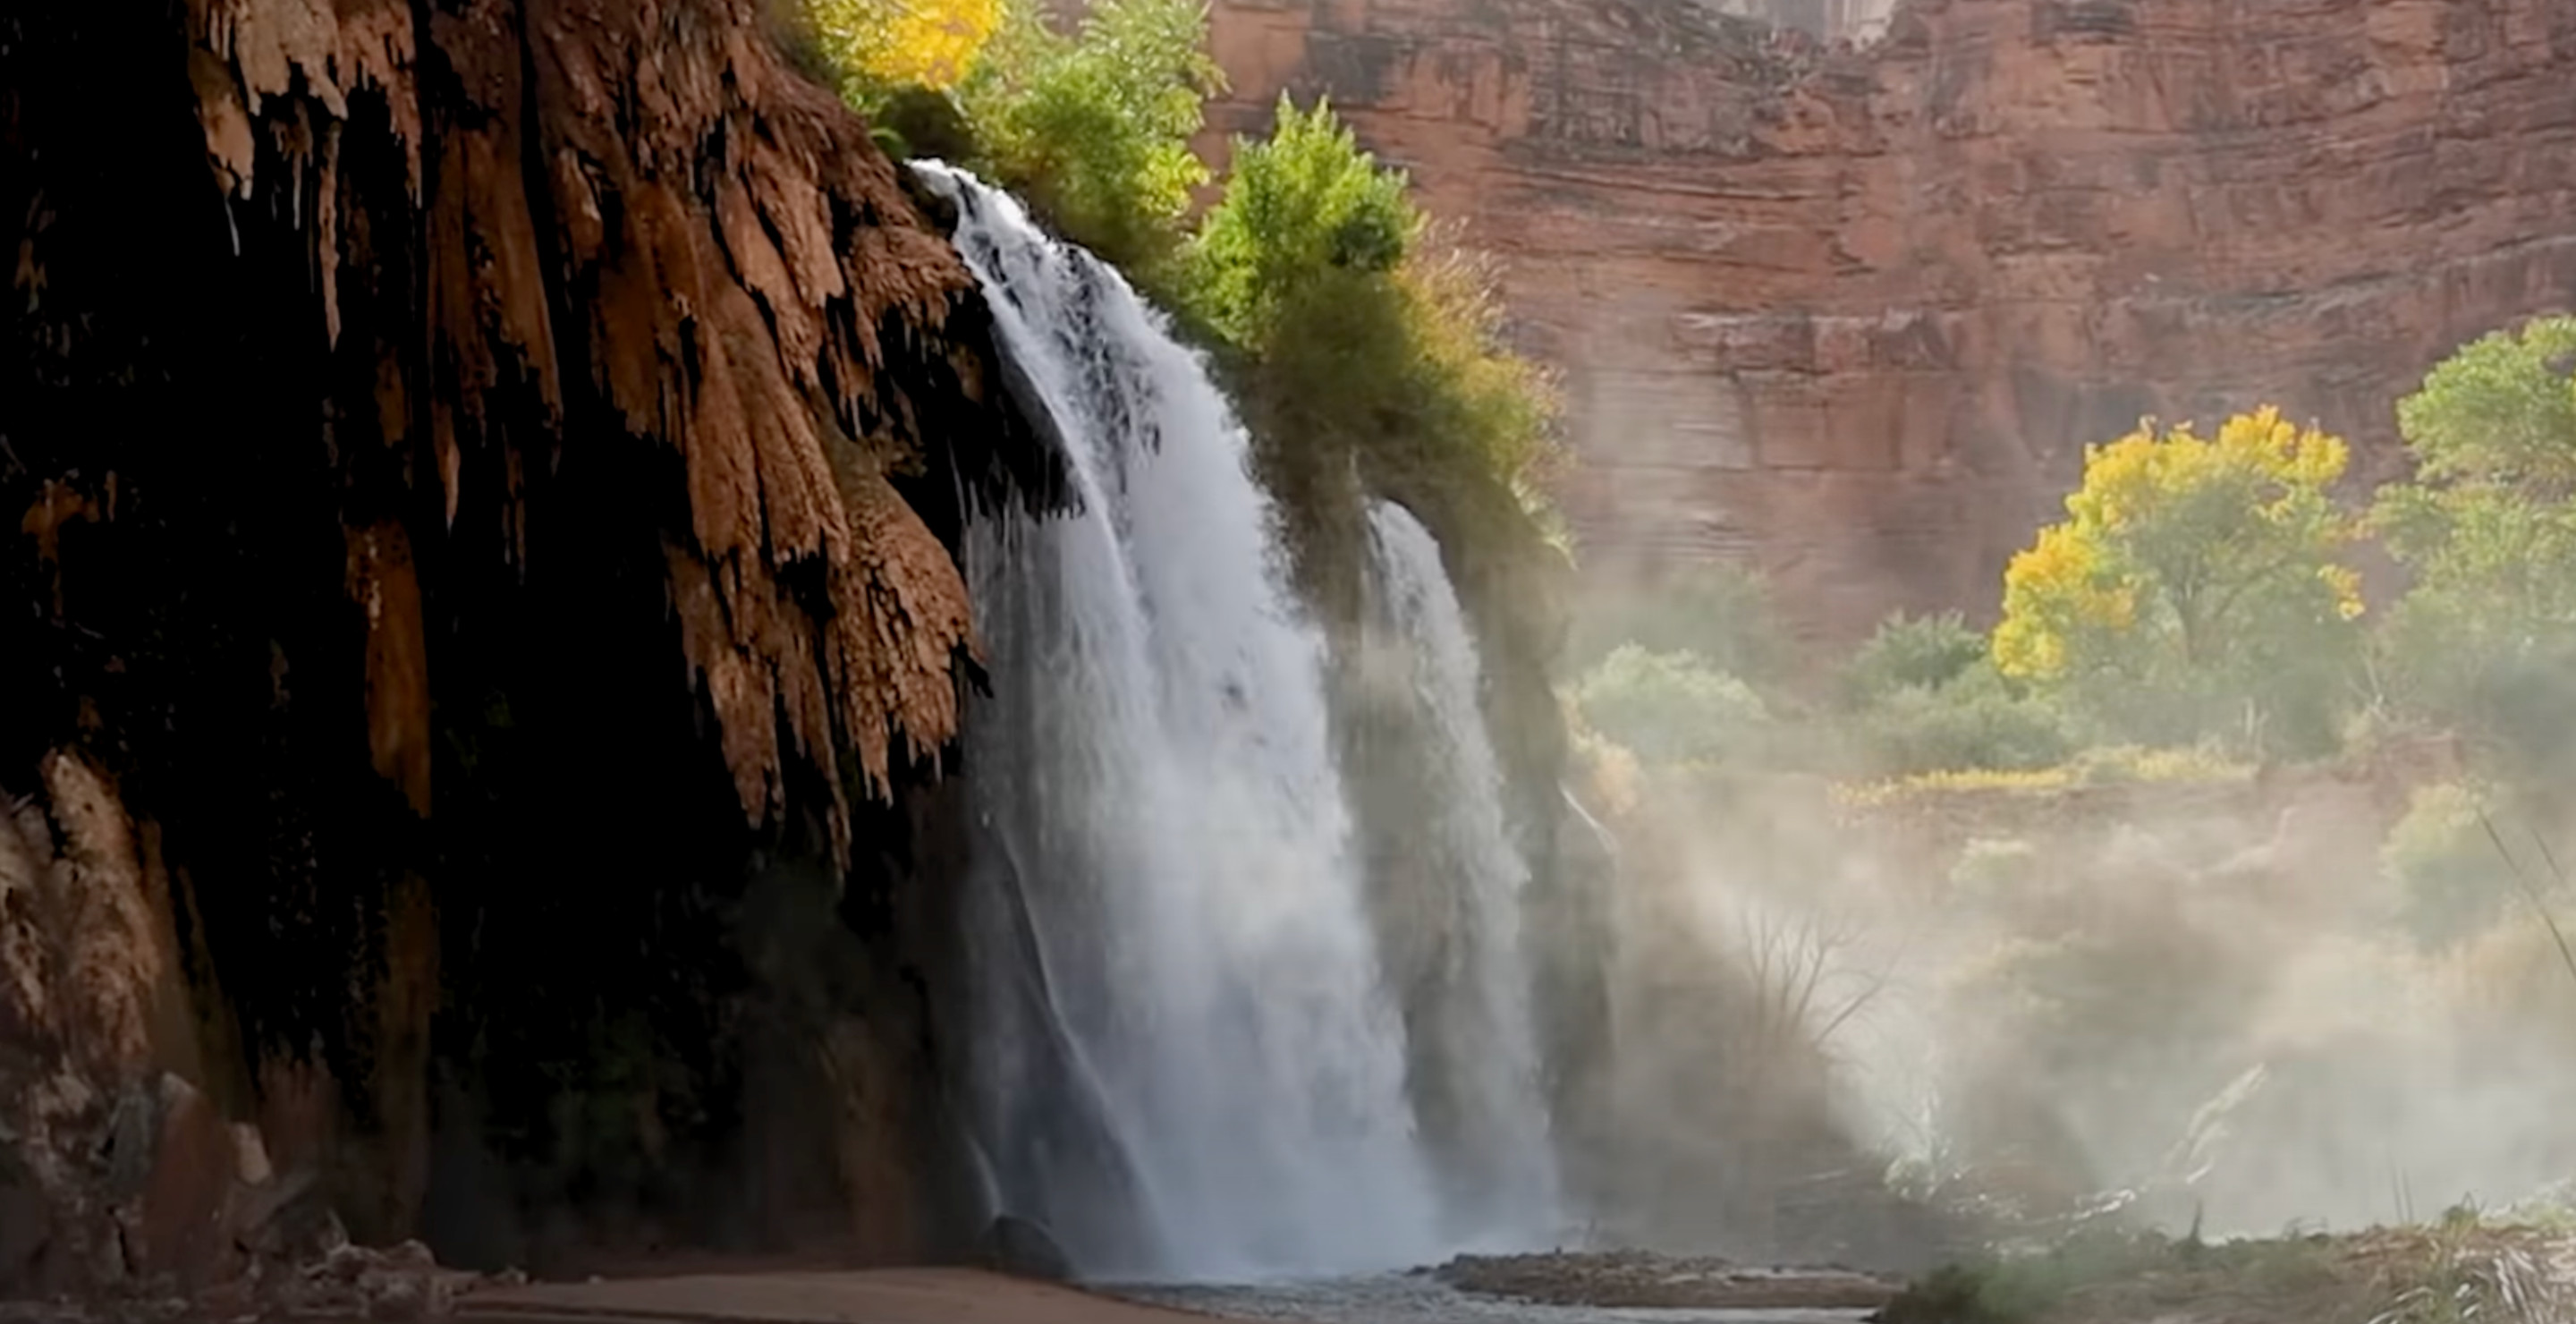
(1852, 311)
(480, 481)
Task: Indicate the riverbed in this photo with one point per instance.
(1419, 1298)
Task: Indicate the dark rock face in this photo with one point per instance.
(478, 483)
(1853, 313)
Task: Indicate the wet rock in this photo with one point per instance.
(403, 1282)
(185, 1231)
(1017, 1246)
(288, 1221)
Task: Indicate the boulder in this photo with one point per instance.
(1024, 1249)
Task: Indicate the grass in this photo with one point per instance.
(2111, 766)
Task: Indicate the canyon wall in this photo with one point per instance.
(1850, 310)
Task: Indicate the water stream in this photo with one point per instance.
(1501, 1176)
(1186, 1065)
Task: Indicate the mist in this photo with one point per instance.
(2165, 980)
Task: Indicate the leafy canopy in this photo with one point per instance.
(905, 43)
(1091, 127)
(1094, 128)
(1363, 347)
(2486, 637)
(1300, 207)
(2501, 412)
(2193, 576)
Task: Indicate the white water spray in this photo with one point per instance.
(1185, 1062)
(1508, 1190)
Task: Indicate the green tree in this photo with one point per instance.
(2486, 636)
(904, 43)
(1368, 356)
(2195, 588)
(1093, 129)
(1308, 220)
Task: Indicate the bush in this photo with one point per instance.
(1913, 652)
(1308, 218)
(1673, 707)
(1974, 721)
(1093, 130)
(2452, 883)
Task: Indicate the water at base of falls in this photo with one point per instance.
(1184, 1063)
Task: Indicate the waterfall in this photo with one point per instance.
(1503, 1176)
(1184, 1061)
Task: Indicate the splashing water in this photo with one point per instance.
(1185, 1064)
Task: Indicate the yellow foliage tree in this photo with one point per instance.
(906, 43)
(2203, 574)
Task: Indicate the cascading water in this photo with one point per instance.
(1504, 1178)
(1185, 1063)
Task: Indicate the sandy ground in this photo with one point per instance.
(871, 1296)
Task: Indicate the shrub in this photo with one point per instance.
(2451, 881)
(1091, 128)
(1913, 652)
(1972, 721)
(1094, 129)
(1673, 707)
(1307, 219)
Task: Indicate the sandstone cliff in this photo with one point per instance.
(1852, 311)
(481, 622)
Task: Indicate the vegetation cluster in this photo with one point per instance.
(2202, 593)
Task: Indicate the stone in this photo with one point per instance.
(1850, 310)
(185, 1230)
(1024, 1249)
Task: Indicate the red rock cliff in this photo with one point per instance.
(1853, 313)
